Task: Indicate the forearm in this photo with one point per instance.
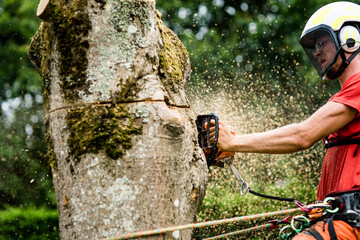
(287, 139)
(290, 138)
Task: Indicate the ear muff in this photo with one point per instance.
(349, 37)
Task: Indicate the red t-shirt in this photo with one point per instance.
(341, 169)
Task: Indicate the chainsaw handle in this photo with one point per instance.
(202, 123)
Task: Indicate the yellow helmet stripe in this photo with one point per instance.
(337, 24)
(322, 15)
(350, 8)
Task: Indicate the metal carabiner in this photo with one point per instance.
(318, 205)
(244, 186)
(303, 219)
(327, 200)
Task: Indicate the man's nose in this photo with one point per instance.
(317, 53)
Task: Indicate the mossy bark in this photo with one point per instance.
(120, 133)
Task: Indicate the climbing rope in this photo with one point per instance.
(264, 226)
(295, 224)
(203, 224)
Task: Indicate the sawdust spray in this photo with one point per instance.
(248, 111)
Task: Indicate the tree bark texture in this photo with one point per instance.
(120, 133)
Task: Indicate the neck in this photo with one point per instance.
(352, 69)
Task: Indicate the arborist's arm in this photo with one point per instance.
(290, 138)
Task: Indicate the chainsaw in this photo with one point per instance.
(214, 155)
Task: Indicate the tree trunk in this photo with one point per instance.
(120, 134)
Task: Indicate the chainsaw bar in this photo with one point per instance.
(203, 127)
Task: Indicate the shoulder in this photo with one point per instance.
(349, 94)
(352, 82)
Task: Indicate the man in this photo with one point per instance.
(331, 39)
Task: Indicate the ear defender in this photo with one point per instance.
(349, 37)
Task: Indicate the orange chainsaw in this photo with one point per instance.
(214, 155)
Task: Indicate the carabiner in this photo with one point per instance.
(244, 188)
(327, 200)
(304, 219)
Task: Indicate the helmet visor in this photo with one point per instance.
(320, 46)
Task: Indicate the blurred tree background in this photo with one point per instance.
(247, 66)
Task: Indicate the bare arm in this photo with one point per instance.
(290, 138)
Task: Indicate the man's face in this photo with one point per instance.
(324, 51)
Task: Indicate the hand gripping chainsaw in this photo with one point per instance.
(214, 155)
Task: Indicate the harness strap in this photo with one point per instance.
(343, 142)
(314, 234)
(331, 229)
(356, 235)
(343, 217)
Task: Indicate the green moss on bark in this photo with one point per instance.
(40, 55)
(68, 27)
(128, 91)
(108, 128)
(71, 26)
(51, 157)
(173, 57)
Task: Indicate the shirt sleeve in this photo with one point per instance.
(349, 94)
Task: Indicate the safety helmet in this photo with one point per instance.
(339, 23)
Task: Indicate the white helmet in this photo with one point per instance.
(340, 23)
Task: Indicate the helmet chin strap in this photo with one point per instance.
(330, 72)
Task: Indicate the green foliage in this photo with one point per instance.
(29, 223)
(18, 23)
(24, 171)
(245, 43)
